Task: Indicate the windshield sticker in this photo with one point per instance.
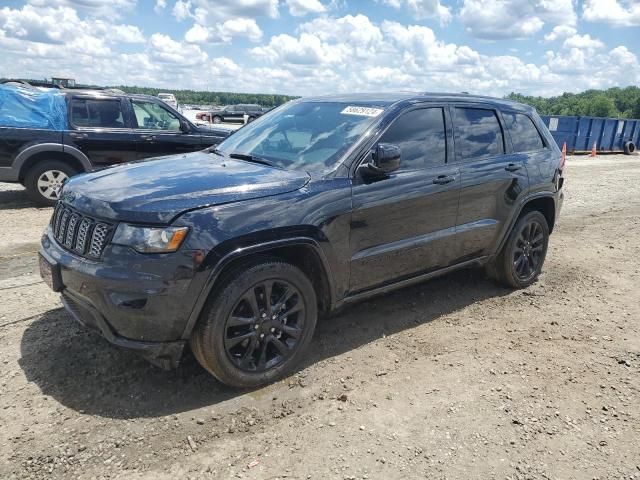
(362, 111)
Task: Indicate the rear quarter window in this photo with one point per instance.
(97, 113)
(477, 133)
(524, 134)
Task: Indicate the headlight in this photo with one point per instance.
(149, 239)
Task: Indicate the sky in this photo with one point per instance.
(305, 47)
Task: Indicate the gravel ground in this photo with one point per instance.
(455, 378)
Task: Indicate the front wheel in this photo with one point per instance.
(45, 179)
(216, 119)
(256, 329)
(520, 261)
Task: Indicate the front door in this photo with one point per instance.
(159, 131)
(494, 179)
(404, 224)
(99, 130)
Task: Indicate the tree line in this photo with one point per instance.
(196, 97)
(613, 102)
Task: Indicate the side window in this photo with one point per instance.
(96, 113)
(478, 133)
(152, 116)
(524, 134)
(421, 136)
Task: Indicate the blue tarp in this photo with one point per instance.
(28, 107)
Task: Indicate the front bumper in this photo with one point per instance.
(166, 355)
(139, 302)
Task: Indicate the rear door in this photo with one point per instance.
(232, 114)
(98, 128)
(404, 224)
(493, 181)
(159, 131)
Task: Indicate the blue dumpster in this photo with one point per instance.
(580, 133)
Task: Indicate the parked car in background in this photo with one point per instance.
(232, 113)
(47, 135)
(324, 202)
(169, 99)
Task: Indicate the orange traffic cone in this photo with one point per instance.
(563, 157)
(593, 150)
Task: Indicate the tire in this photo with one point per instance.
(251, 119)
(239, 338)
(216, 119)
(629, 148)
(51, 172)
(519, 263)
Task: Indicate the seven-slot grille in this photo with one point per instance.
(78, 233)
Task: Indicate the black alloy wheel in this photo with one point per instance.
(520, 261)
(264, 326)
(257, 323)
(529, 250)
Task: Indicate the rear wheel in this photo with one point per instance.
(216, 119)
(257, 327)
(520, 261)
(45, 179)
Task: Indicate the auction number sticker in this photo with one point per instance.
(362, 111)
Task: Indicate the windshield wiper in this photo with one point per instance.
(251, 158)
(216, 151)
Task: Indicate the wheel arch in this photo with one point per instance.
(543, 202)
(32, 155)
(303, 252)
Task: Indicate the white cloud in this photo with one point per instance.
(63, 26)
(493, 20)
(583, 41)
(166, 50)
(197, 34)
(559, 32)
(96, 8)
(225, 32)
(206, 11)
(300, 8)
(160, 6)
(305, 50)
(182, 10)
(239, 27)
(619, 13)
(422, 9)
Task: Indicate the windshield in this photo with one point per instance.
(309, 136)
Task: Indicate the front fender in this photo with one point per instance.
(245, 251)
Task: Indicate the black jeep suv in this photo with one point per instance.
(237, 250)
(102, 128)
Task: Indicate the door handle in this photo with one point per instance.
(443, 179)
(148, 138)
(512, 167)
(78, 135)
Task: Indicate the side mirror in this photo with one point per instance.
(384, 160)
(184, 127)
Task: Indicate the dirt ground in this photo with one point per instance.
(455, 378)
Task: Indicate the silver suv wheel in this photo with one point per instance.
(50, 183)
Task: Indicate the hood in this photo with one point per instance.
(157, 190)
